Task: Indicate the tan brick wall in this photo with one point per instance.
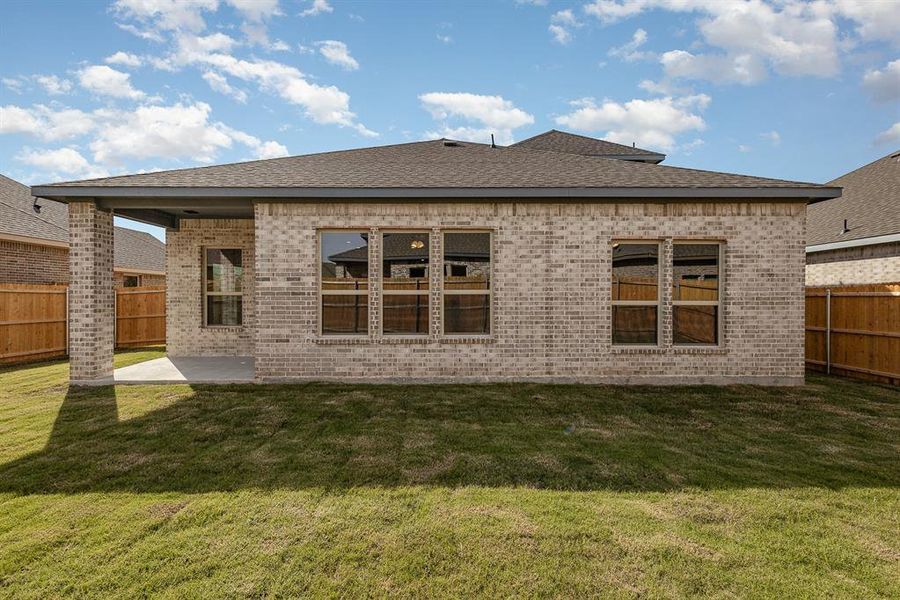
(91, 293)
(552, 274)
(185, 333)
(30, 263)
(848, 266)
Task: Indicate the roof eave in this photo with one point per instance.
(867, 241)
(67, 193)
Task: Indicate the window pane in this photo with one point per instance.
(406, 314)
(344, 260)
(695, 272)
(224, 310)
(467, 261)
(467, 314)
(130, 281)
(634, 324)
(405, 261)
(223, 270)
(346, 314)
(635, 272)
(695, 324)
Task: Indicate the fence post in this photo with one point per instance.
(828, 331)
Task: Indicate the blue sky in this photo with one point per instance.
(804, 91)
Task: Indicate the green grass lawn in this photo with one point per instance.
(410, 491)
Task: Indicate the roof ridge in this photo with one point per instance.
(588, 138)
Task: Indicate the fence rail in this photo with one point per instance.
(34, 320)
(855, 331)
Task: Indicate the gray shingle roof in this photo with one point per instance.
(133, 249)
(438, 164)
(571, 143)
(870, 202)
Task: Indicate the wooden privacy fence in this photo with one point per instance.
(855, 331)
(34, 320)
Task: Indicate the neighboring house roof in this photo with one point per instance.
(561, 141)
(133, 249)
(439, 168)
(399, 246)
(870, 203)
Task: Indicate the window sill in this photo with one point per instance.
(467, 339)
(223, 327)
(635, 349)
(711, 350)
(699, 350)
(351, 340)
(342, 340)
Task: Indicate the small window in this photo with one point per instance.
(344, 277)
(130, 281)
(696, 284)
(635, 293)
(222, 287)
(405, 271)
(467, 283)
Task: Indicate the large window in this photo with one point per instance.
(222, 287)
(635, 293)
(405, 270)
(344, 277)
(696, 290)
(467, 283)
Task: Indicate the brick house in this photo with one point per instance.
(855, 239)
(584, 261)
(34, 246)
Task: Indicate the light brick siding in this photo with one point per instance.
(185, 333)
(848, 266)
(91, 293)
(30, 263)
(552, 285)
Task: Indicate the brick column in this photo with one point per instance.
(91, 293)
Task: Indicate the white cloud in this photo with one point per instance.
(256, 10)
(106, 81)
(337, 53)
(741, 68)
(875, 19)
(752, 36)
(648, 123)
(891, 135)
(317, 8)
(173, 132)
(44, 122)
(493, 114)
(561, 24)
(123, 58)
(53, 84)
(145, 34)
(16, 85)
(258, 34)
(884, 85)
(168, 14)
(446, 39)
(743, 148)
(220, 84)
(773, 137)
(65, 161)
(631, 51)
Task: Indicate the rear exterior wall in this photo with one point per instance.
(879, 263)
(31, 263)
(552, 268)
(186, 334)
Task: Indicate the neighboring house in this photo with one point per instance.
(855, 239)
(457, 261)
(34, 246)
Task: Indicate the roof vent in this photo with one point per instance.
(451, 143)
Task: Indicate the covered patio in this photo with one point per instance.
(188, 369)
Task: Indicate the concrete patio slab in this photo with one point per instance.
(189, 369)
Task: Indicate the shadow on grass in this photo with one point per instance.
(207, 438)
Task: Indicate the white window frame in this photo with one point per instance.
(659, 285)
(365, 292)
(425, 292)
(489, 292)
(720, 279)
(206, 293)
